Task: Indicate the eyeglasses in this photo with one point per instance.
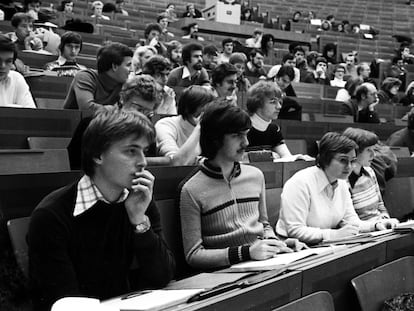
(346, 161)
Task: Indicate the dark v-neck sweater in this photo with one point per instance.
(92, 254)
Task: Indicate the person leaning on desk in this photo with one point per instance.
(316, 204)
(101, 236)
(222, 204)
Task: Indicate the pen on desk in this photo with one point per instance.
(136, 294)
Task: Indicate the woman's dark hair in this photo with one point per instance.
(361, 137)
(220, 118)
(389, 83)
(265, 39)
(330, 145)
(329, 47)
(192, 98)
(259, 92)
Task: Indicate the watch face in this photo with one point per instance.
(143, 226)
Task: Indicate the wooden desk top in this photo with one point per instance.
(241, 31)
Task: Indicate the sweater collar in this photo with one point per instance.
(258, 123)
(215, 172)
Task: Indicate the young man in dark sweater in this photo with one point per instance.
(84, 238)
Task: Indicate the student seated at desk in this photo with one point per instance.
(264, 103)
(365, 191)
(91, 89)
(178, 136)
(14, 91)
(223, 206)
(85, 238)
(315, 203)
(70, 47)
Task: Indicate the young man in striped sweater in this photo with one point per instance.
(365, 192)
(223, 207)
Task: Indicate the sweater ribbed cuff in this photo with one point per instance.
(238, 254)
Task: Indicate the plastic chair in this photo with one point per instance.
(319, 301)
(384, 282)
(18, 230)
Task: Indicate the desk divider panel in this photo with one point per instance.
(335, 274)
(400, 246)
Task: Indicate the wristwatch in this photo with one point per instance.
(143, 227)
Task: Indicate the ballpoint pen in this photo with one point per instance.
(135, 294)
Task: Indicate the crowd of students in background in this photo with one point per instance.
(205, 126)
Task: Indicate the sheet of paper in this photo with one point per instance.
(282, 259)
(154, 300)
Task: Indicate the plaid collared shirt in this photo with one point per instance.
(88, 194)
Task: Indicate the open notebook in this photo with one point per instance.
(153, 300)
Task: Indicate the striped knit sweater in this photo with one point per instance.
(366, 196)
(220, 218)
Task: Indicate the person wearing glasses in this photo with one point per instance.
(316, 204)
(365, 191)
(263, 104)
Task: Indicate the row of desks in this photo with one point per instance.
(332, 273)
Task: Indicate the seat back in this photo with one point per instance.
(48, 142)
(20, 161)
(17, 231)
(297, 146)
(400, 152)
(333, 118)
(384, 282)
(319, 301)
